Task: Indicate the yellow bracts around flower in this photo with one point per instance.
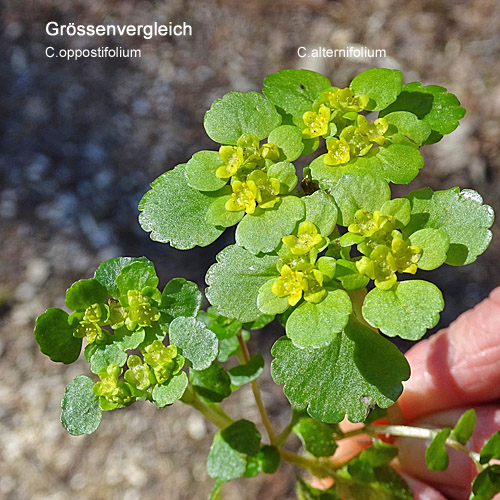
(339, 152)
(406, 256)
(374, 131)
(290, 284)
(315, 291)
(269, 151)
(307, 238)
(244, 197)
(232, 157)
(316, 122)
(268, 189)
(373, 226)
(345, 101)
(112, 389)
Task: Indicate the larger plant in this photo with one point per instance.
(325, 258)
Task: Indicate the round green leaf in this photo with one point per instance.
(399, 208)
(244, 374)
(137, 276)
(181, 298)
(217, 213)
(436, 455)
(54, 335)
(289, 140)
(81, 413)
(200, 171)
(175, 213)
(407, 310)
(105, 355)
(84, 293)
(434, 244)
(170, 391)
(464, 428)
(284, 171)
(235, 280)
(126, 340)
(406, 128)
(239, 113)
(262, 231)
(317, 325)
(198, 344)
(321, 211)
(269, 303)
(382, 86)
(213, 383)
(316, 436)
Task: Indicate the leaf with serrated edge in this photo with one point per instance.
(289, 140)
(200, 171)
(407, 310)
(380, 84)
(81, 413)
(170, 391)
(434, 244)
(235, 280)
(262, 231)
(175, 213)
(239, 113)
(137, 276)
(340, 379)
(316, 325)
(198, 344)
(321, 211)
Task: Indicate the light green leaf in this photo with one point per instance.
(125, 339)
(137, 276)
(198, 344)
(284, 171)
(181, 298)
(491, 450)
(436, 456)
(464, 428)
(54, 335)
(289, 140)
(223, 327)
(213, 383)
(235, 280)
(380, 84)
(295, 90)
(108, 271)
(432, 105)
(399, 208)
(269, 303)
(81, 413)
(486, 484)
(170, 391)
(406, 128)
(316, 436)
(347, 273)
(407, 310)
(434, 244)
(354, 192)
(230, 450)
(244, 374)
(217, 213)
(200, 171)
(84, 293)
(238, 113)
(460, 214)
(357, 369)
(175, 213)
(231, 346)
(105, 355)
(317, 325)
(321, 211)
(262, 231)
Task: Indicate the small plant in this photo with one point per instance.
(326, 259)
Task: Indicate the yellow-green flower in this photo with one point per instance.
(109, 387)
(374, 226)
(345, 100)
(138, 373)
(117, 315)
(270, 151)
(141, 312)
(307, 238)
(316, 122)
(380, 266)
(268, 189)
(92, 331)
(405, 256)
(338, 152)
(315, 291)
(374, 131)
(244, 197)
(359, 145)
(233, 159)
(290, 284)
(164, 360)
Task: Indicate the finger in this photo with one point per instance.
(457, 366)
(455, 481)
(422, 491)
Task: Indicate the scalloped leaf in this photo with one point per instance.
(262, 231)
(399, 208)
(295, 90)
(198, 344)
(175, 213)
(84, 293)
(432, 104)
(81, 413)
(316, 436)
(137, 276)
(284, 171)
(180, 298)
(108, 271)
(212, 384)
(170, 391)
(200, 171)
(54, 335)
(434, 244)
(105, 355)
(406, 128)
(235, 280)
(356, 370)
(289, 140)
(380, 84)
(407, 310)
(239, 113)
(354, 192)
(460, 214)
(317, 325)
(321, 211)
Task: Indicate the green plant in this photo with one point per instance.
(325, 259)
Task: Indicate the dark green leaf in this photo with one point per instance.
(108, 271)
(181, 298)
(223, 327)
(464, 428)
(266, 461)
(316, 436)
(213, 383)
(125, 339)
(486, 484)
(81, 413)
(436, 455)
(306, 492)
(231, 346)
(380, 84)
(491, 450)
(85, 293)
(244, 374)
(175, 213)
(200, 171)
(238, 113)
(170, 391)
(105, 355)
(54, 335)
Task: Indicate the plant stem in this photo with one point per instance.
(256, 393)
(357, 298)
(281, 438)
(213, 412)
(319, 467)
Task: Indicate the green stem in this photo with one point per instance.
(357, 299)
(281, 438)
(212, 412)
(319, 467)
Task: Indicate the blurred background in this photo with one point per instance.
(81, 141)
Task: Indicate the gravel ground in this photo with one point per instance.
(80, 142)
